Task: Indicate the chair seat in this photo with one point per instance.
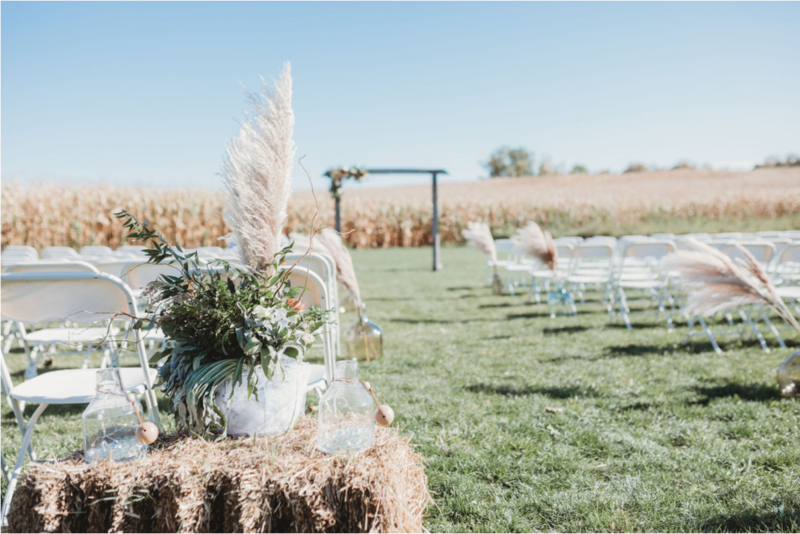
(588, 279)
(641, 284)
(788, 292)
(70, 335)
(74, 386)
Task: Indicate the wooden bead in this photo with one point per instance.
(146, 433)
(384, 415)
(131, 397)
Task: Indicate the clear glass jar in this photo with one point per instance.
(364, 340)
(110, 422)
(789, 375)
(559, 300)
(346, 422)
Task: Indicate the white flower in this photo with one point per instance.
(279, 318)
(260, 312)
(308, 338)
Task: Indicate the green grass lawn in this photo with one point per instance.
(567, 424)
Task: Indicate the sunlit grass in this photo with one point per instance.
(567, 424)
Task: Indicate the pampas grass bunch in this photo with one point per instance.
(258, 174)
(479, 235)
(534, 242)
(715, 282)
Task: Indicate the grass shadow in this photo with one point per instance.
(639, 350)
(435, 321)
(460, 288)
(566, 329)
(529, 315)
(781, 520)
(503, 305)
(524, 391)
(754, 391)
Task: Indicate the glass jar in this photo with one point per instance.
(789, 375)
(559, 300)
(110, 422)
(346, 423)
(364, 340)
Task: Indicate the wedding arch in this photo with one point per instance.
(338, 175)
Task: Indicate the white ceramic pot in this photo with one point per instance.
(279, 404)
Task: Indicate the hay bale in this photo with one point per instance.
(186, 484)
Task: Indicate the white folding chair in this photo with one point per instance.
(592, 266)
(323, 266)
(640, 270)
(504, 248)
(316, 295)
(80, 297)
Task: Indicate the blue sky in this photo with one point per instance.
(149, 93)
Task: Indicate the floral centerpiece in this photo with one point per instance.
(228, 321)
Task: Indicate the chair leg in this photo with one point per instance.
(26, 441)
(707, 330)
(771, 327)
(34, 357)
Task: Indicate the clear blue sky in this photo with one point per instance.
(149, 93)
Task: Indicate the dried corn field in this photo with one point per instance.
(679, 201)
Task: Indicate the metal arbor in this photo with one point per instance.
(437, 264)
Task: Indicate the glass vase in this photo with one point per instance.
(789, 375)
(110, 422)
(346, 423)
(364, 340)
(559, 300)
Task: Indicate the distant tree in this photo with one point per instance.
(547, 169)
(792, 160)
(511, 162)
(636, 167)
(579, 169)
(683, 164)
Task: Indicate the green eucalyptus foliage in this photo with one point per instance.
(221, 320)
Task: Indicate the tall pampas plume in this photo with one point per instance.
(258, 174)
(479, 235)
(715, 282)
(345, 272)
(534, 242)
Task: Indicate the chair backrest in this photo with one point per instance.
(114, 267)
(96, 251)
(564, 251)
(22, 249)
(655, 249)
(52, 267)
(138, 274)
(137, 250)
(589, 250)
(314, 295)
(79, 297)
(504, 245)
(59, 252)
(762, 250)
(14, 256)
(323, 266)
(790, 254)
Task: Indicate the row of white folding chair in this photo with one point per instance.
(82, 298)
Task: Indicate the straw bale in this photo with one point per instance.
(186, 484)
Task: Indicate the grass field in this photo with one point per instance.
(567, 424)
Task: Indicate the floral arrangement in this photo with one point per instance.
(221, 319)
(337, 175)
